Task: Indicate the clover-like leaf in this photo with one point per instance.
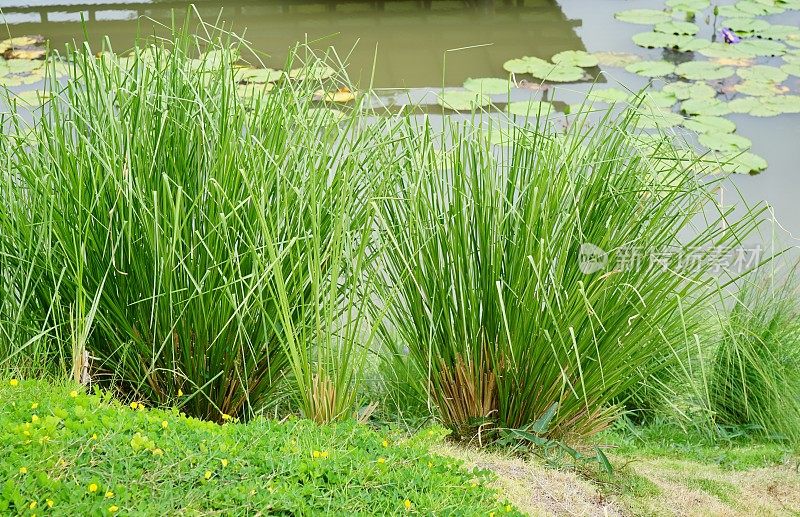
(460, 100)
(724, 142)
(703, 71)
(488, 85)
(684, 90)
(578, 58)
(530, 108)
(709, 124)
(651, 68)
(678, 28)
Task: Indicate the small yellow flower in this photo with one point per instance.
(13, 382)
(207, 475)
(226, 417)
(113, 508)
(224, 462)
(491, 514)
(109, 494)
(407, 504)
(385, 443)
(381, 460)
(508, 508)
(33, 505)
(50, 503)
(430, 465)
(23, 470)
(93, 487)
(73, 393)
(323, 454)
(315, 454)
(34, 418)
(34, 405)
(473, 484)
(180, 392)
(134, 405)
(94, 436)
(164, 424)
(158, 452)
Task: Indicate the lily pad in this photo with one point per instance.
(761, 48)
(557, 73)
(677, 28)
(578, 58)
(710, 107)
(523, 65)
(258, 75)
(724, 142)
(683, 91)
(780, 103)
(743, 104)
(659, 99)
(643, 16)
(743, 163)
(780, 32)
(709, 124)
(32, 98)
(763, 73)
(651, 68)
(530, 108)
(757, 8)
(656, 118)
(488, 85)
(760, 88)
(723, 50)
(314, 72)
(689, 6)
(458, 100)
(745, 25)
(703, 71)
(616, 59)
(19, 66)
(792, 69)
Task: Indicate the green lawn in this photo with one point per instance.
(68, 452)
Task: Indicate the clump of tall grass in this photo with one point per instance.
(190, 242)
(490, 306)
(754, 381)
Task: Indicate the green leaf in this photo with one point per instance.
(691, 6)
(704, 71)
(314, 72)
(744, 25)
(530, 108)
(656, 118)
(610, 95)
(659, 99)
(758, 88)
(459, 100)
(792, 69)
(643, 16)
(684, 90)
(651, 68)
(761, 48)
(578, 58)
(523, 65)
(542, 424)
(757, 8)
(602, 459)
(743, 105)
(488, 85)
(557, 73)
(763, 73)
(258, 75)
(743, 163)
(677, 28)
(616, 59)
(709, 107)
(709, 124)
(724, 142)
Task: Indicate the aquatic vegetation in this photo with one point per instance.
(488, 86)
(458, 100)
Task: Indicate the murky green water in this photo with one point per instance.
(419, 44)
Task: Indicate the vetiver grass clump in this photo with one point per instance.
(754, 382)
(189, 240)
(492, 310)
(66, 452)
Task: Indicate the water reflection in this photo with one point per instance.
(410, 38)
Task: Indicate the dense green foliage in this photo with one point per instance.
(70, 453)
(490, 305)
(755, 375)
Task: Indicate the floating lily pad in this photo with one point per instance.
(780, 32)
(761, 47)
(690, 6)
(709, 124)
(314, 72)
(458, 100)
(792, 58)
(760, 88)
(327, 116)
(743, 163)
(745, 25)
(18, 66)
(643, 16)
(683, 91)
(655, 118)
(763, 73)
(703, 71)
(659, 99)
(523, 65)
(488, 85)
(575, 58)
(616, 59)
(724, 142)
(32, 98)
(743, 105)
(252, 91)
(792, 69)
(710, 107)
(758, 8)
(258, 75)
(530, 108)
(609, 95)
(656, 40)
(677, 28)
(723, 50)
(557, 73)
(780, 103)
(651, 68)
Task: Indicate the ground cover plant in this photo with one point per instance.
(67, 452)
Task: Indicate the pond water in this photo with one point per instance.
(420, 46)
